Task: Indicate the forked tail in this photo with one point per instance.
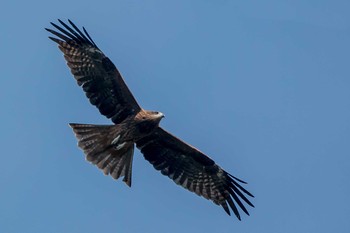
(99, 145)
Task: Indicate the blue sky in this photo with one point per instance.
(262, 87)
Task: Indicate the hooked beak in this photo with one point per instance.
(161, 115)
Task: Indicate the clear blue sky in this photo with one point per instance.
(262, 87)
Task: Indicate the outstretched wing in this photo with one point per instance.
(193, 170)
(98, 76)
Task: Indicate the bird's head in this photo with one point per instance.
(156, 115)
(146, 115)
(147, 121)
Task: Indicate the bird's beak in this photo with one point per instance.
(161, 115)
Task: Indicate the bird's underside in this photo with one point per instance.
(111, 147)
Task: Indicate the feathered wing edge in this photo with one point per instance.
(193, 170)
(94, 72)
(236, 192)
(70, 35)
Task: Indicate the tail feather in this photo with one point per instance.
(96, 142)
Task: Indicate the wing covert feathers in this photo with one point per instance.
(98, 76)
(193, 170)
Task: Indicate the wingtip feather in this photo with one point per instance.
(55, 39)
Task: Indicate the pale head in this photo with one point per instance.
(146, 115)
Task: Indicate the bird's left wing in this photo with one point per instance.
(95, 72)
(193, 170)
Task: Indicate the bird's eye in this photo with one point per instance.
(143, 118)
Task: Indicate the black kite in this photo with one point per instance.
(111, 147)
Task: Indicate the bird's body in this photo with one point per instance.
(111, 147)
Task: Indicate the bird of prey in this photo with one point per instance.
(111, 147)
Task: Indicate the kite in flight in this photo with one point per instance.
(111, 147)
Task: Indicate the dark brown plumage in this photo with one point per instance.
(111, 147)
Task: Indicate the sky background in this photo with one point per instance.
(262, 87)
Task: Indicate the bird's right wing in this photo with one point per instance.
(193, 170)
(98, 76)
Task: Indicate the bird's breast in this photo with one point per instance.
(145, 128)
